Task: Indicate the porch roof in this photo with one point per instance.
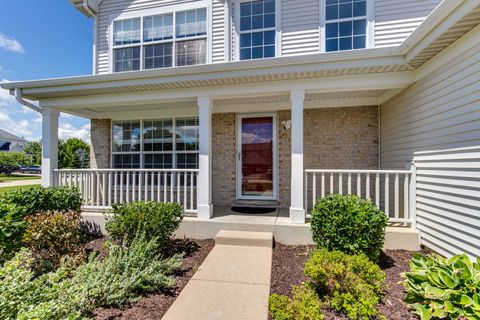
(391, 69)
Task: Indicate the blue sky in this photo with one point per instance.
(42, 39)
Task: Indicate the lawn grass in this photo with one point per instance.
(7, 189)
(5, 178)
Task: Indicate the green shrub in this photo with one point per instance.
(349, 224)
(54, 236)
(443, 288)
(351, 284)
(16, 205)
(14, 159)
(12, 227)
(156, 220)
(122, 276)
(305, 305)
(44, 199)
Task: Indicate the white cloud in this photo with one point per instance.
(67, 130)
(10, 44)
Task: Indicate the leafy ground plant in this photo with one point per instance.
(305, 305)
(349, 224)
(443, 288)
(122, 276)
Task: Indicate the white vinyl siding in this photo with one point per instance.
(396, 20)
(441, 111)
(300, 21)
(218, 31)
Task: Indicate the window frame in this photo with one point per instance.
(141, 152)
(370, 29)
(278, 34)
(142, 14)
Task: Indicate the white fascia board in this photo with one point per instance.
(293, 61)
(391, 80)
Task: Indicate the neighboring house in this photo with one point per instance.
(213, 103)
(10, 142)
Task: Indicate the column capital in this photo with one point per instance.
(297, 95)
(50, 112)
(204, 101)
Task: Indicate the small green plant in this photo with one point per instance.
(304, 305)
(443, 288)
(54, 236)
(351, 284)
(349, 224)
(156, 220)
(12, 227)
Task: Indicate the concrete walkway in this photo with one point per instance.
(233, 283)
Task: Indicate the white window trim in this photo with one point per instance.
(370, 30)
(278, 33)
(154, 12)
(141, 153)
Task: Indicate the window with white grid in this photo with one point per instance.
(160, 41)
(346, 25)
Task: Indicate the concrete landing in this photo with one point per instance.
(232, 283)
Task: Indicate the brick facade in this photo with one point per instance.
(100, 146)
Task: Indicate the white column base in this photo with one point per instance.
(205, 212)
(297, 215)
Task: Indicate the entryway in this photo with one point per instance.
(257, 157)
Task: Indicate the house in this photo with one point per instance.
(10, 142)
(216, 103)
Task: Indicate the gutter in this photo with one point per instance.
(17, 92)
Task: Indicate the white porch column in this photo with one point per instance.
(204, 183)
(49, 146)
(297, 209)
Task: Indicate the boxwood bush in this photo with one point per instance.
(349, 224)
(155, 219)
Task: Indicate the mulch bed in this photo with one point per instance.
(287, 270)
(154, 306)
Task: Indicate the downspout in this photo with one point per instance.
(18, 96)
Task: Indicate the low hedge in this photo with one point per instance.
(155, 219)
(349, 224)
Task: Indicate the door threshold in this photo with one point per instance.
(256, 203)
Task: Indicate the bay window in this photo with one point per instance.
(157, 144)
(346, 25)
(167, 40)
(257, 29)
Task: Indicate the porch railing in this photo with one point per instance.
(104, 187)
(391, 190)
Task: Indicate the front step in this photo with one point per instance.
(257, 203)
(244, 238)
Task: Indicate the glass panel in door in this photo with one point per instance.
(257, 157)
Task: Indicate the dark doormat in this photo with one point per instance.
(253, 210)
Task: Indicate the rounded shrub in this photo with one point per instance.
(349, 224)
(156, 220)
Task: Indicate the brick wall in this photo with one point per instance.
(224, 151)
(100, 147)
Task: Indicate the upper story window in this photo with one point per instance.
(257, 29)
(167, 40)
(346, 24)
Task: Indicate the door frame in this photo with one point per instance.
(238, 156)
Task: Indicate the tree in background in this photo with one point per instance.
(14, 159)
(34, 150)
(73, 153)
